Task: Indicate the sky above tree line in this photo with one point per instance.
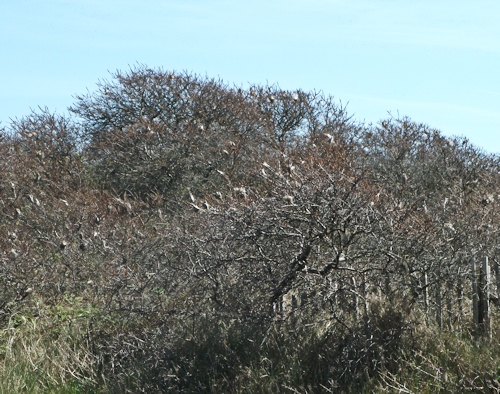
(434, 61)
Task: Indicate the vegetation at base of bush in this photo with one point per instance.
(177, 234)
(45, 349)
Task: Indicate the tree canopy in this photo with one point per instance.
(199, 223)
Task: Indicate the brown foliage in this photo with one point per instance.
(197, 217)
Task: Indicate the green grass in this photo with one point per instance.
(46, 349)
(43, 349)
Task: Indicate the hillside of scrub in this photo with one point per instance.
(177, 234)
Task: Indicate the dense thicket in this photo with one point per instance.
(190, 236)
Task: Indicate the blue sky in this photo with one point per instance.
(434, 61)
